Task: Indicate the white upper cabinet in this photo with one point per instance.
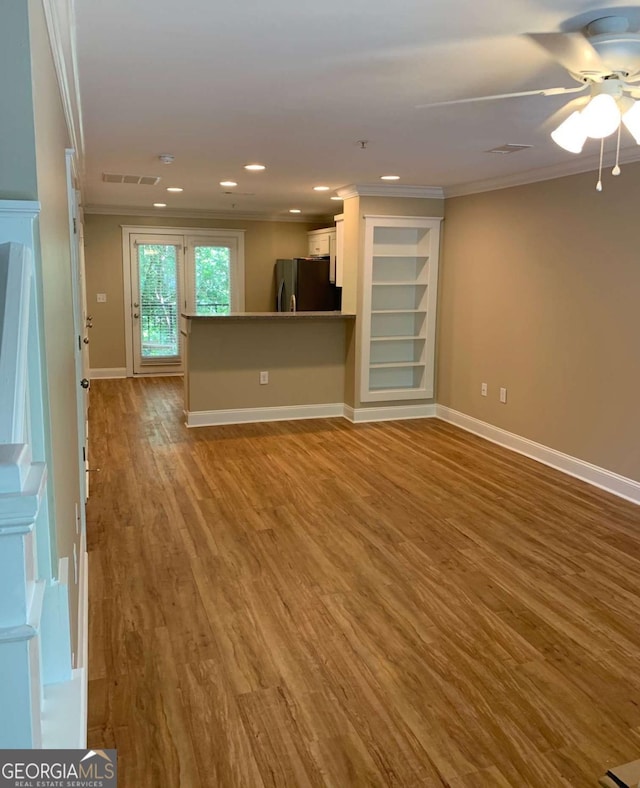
(319, 241)
(323, 242)
(399, 307)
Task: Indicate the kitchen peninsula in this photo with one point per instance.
(226, 357)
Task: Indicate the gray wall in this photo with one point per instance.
(17, 138)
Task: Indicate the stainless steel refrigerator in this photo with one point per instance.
(302, 285)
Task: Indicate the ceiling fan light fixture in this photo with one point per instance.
(571, 134)
(631, 120)
(601, 116)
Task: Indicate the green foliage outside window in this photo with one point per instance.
(158, 300)
(157, 265)
(212, 280)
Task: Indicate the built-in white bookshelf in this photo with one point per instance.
(399, 307)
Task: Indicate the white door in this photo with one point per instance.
(85, 324)
(214, 281)
(79, 324)
(156, 299)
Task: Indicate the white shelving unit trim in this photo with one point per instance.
(398, 311)
(416, 257)
(400, 390)
(401, 283)
(393, 364)
(399, 303)
(408, 338)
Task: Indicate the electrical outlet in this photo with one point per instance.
(101, 298)
(483, 389)
(503, 395)
(264, 378)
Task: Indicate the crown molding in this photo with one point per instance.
(61, 27)
(570, 167)
(178, 213)
(382, 190)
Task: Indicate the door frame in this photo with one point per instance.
(155, 366)
(201, 232)
(80, 332)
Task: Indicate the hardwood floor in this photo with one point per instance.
(324, 604)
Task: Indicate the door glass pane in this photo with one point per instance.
(212, 280)
(158, 269)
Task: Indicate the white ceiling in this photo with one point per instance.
(294, 84)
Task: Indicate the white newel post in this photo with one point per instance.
(21, 594)
(35, 653)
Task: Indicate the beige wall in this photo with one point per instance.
(264, 243)
(305, 360)
(17, 165)
(51, 141)
(540, 293)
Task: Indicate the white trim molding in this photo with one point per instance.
(196, 213)
(61, 27)
(592, 474)
(213, 418)
(382, 190)
(389, 413)
(108, 373)
(572, 166)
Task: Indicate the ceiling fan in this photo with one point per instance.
(605, 60)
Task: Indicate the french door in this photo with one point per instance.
(171, 271)
(157, 287)
(211, 276)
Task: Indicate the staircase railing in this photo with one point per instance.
(35, 651)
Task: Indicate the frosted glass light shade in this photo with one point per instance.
(571, 134)
(631, 120)
(601, 116)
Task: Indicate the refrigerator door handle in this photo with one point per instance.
(292, 306)
(280, 290)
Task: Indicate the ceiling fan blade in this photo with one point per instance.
(561, 114)
(541, 92)
(572, 50)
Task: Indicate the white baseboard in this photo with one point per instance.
(63, 724)
(392, 413)
(592, 474)
(212, 418)
(108, 372)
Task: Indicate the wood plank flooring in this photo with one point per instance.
(324, 604)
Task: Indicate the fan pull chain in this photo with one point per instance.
(599, 183)
(616, 169)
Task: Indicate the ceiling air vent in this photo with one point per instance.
(510, 147)
(139, 180)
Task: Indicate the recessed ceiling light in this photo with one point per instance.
(389, 177)
(159, 204)
(228, 183)
(320, 188)
(338, 198)
(174, 189)
(295, 210)
(255, 167)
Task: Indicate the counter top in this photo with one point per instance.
(272, 316)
